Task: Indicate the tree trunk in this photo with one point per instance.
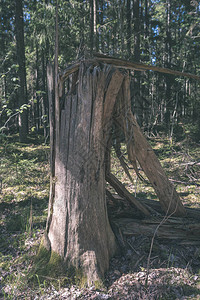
(91, 26)
(137, 91)
(51, 97)
(168, 58)
(128, 30)
(78, 227)
(78, 230)
(37, 105)
(22, 93)
(44, 97)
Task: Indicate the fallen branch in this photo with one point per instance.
(177, 229)
(122, 191)
(140, 67)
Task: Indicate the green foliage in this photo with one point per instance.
(20, 247)
(173, 45)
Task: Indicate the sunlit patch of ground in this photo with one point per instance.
(173, 271)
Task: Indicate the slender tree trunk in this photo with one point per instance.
(137, 95)
(44, 97)
(91, 26)
(122, 27)
(147, 50)
(96, 21)
(168, 55)
(102, 36)
(22, 92)
(37, 106)
(128, 16)
(51, 97)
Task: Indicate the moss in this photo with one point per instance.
(56, 265)
(99, 285)
(48, 263)
(80, 278)
(43, 255)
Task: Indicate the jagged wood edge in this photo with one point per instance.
(124, 64)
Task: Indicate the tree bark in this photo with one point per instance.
(51, 97)
(78, 227)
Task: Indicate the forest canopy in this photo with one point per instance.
(164, 33)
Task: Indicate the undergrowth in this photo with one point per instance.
(24, 171)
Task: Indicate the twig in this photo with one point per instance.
(15, 114)
(184, 182)
(138, 261)
(165, 218)
(0, 185)
(132, 248)
(191, 163)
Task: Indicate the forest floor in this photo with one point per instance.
(173, 269)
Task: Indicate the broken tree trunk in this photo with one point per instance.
(79, 230)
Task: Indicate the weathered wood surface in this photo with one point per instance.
(139, 149)
(79, 229)
(184, 230)
(179, 229)
(154, 208)
(165, 190)
(191, 213)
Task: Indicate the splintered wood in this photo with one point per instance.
(113, 117)
(140, 150)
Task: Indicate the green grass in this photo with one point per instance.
(24, 170)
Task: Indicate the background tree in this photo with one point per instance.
(162, 32)
(22, 90)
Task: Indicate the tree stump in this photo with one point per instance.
(78, 228)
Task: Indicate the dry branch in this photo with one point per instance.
(141, 67)
(122, 191)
